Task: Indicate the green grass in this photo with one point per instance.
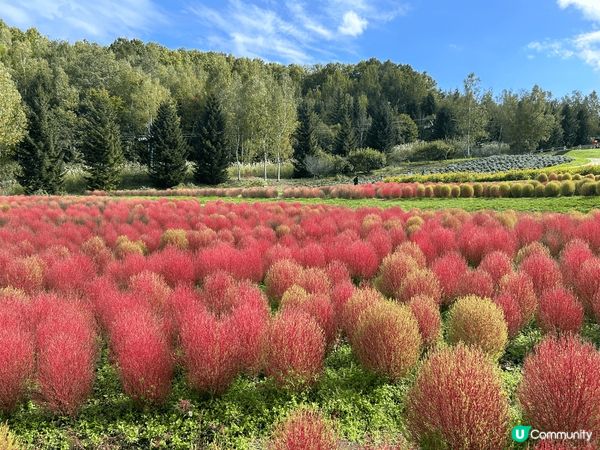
(581, 157)
(544, 204)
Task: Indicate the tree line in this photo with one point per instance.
(180, 110)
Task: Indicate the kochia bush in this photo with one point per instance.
(478, 321)
(457, 402)
(429, 319)
(304, 429)
(387, 339)
(559, 311)
(561, 386)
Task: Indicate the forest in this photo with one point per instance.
(171, 110)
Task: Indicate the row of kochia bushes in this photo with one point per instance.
(587, 186)
(511, 175)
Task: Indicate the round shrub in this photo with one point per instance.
(420, 190)
(419, 282)
(560, 389)
(8, 440)
(457, 402)
(304, 429)
(394, 268)
(494, 190)
(387, 340)
(455, 191)
(497, 264)
(559, 311)
(280, 277)
(478, 190)
(366, 159)
(429, 319)
(295, 349)
(16, 362)
(361, 300)
(567, 188)
(448, 270)
(516, 190)
(475, 282)
(552, 189)
(429, 191)
(466, 191)
(542, 178)
(587, 282)
(572, 256)
(552, 176)
(512, 313)
(587, 188)
(540, 190)
(443, 190)
(519, 286)
(527, 190)
(543, 270)
(175, 237)
(478, 321)
(412, 249)
(504, 190)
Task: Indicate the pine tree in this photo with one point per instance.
(569, 125)
(210, 147)
(38, 155)
(100, 141)
(584, 131)
(345, 141)
(168, 148)
(382, 134)
(305, 142)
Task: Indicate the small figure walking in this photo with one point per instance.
(355, 180)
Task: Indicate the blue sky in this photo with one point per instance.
(510, 44)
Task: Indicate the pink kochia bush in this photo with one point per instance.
(457, 402)
(559, 311)
(16, 352)
(304, 429)
(560, 389)
(429, 319)
(66, 345)
(295, 349)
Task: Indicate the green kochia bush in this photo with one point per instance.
(552, 189)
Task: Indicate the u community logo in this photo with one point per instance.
(522, 433)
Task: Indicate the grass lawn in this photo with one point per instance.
(544, 204)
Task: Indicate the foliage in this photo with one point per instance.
(366, 160)
(12, 114)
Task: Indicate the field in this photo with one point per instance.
(173, 323)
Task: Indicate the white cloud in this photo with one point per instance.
(102, 20)
(590, 8)
(352, 24)
(585, 46)
(290, 31)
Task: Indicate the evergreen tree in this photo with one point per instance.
(569, 125)
(445, 125)
(305, 142)
(100, 140)
(38, 155)
(584, 130)
(168, 149)
(382, 134)
(345, 140)
(211, 151)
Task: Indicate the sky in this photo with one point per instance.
(508, 44)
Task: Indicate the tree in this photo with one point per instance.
(305, 142)
(382, 134)
(445, 125)
(584, 128)
(12, 113)
(168, 149)
(406, 129)
(283, 120)
(101, 140)
(345, 141)
(210, 148)
(472, 117)
(40, 159)
(569, 125)
(362, 121)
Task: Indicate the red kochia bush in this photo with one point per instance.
(361, 299)
(16, 357)
(340, 294)
(457, 402)
(419, 282)
(304, 429)
(512, 313)
(387, 339)
(519, 286)
(394, 269)
(66, 353)
(427, 313)
(497, 264)
(448, 269)
(543, 270)
(143, 356)
(295, 349)
(588, 281)
(560, 311)
(561, 386)
(475, 282)
(211, 350)
(572, 257)
(280, 277)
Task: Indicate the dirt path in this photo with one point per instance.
(594, 162)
